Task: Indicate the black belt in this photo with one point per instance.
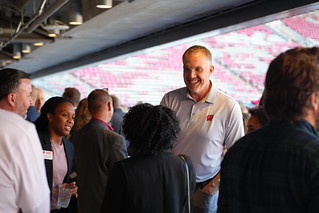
(202, 184)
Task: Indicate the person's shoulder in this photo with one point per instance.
(67, 142)
(309, 140)
(91, 126)
(114, 135)
(225, 101)
(83, 133)
(174, 96)
(13, 120)
(8, 115)
(247, 141)
(15, 129)
(226, 97)
(242, 148)
(170, 159)
(177, 92)
(125, 165)
(281, 135)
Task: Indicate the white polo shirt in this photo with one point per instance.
(207, 128)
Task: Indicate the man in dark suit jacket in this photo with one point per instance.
(97, 148)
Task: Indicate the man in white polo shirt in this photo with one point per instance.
(210, 122)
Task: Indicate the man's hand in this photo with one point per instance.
(213, 186)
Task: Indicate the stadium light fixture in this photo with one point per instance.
(104, 4)
(75, 14)
(17, 51)
(26, 48)
(38, 44)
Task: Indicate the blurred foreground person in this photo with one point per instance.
(152, 179)
(53, 125)
(23, 184)
(276, 167)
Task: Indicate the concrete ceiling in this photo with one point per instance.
(134, 25)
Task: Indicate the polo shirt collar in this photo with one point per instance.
(209, 97)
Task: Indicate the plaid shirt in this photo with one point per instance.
(274, 169)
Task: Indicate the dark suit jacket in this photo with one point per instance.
(69, 151)
(149, 183)
(96, 150)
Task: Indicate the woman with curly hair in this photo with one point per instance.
(53, 125)
(257, 119)
(152, 179)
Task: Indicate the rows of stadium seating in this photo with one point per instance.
(306, 25)
(241, 59)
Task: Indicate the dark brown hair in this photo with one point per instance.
(97, 99)
(290, 80)
(73, 94)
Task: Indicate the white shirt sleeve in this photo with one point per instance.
(235, 125)
(32, 186)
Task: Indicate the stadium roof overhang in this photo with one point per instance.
(130, 26)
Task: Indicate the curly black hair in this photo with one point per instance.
(49, 106)
(150, 129)
(259, 113)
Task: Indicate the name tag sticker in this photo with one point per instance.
(48, 155)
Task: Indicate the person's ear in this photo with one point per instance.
(314, 101)
(211, 70)
(50, 117)
(12, 98)
(109, 106)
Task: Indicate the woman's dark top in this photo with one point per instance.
(154, 184)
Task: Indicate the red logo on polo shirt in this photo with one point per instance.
(209, 117)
